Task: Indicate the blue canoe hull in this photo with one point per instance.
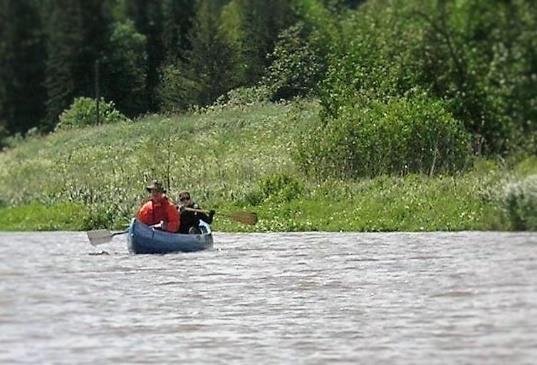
(143, 239)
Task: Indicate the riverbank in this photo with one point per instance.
(234, 158)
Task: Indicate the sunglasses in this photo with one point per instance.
(183, 198)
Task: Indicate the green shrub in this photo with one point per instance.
(282, 186)
(373, 138)
(277, 188)
(83, 112)
(520, 203)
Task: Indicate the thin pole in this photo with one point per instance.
(97, 91)
(168, 164)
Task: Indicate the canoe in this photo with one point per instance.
(142, 239)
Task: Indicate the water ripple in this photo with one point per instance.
(315, 298)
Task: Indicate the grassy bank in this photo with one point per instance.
(232, 159)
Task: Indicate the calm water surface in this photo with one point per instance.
(313, 298)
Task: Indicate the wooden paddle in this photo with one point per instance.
(100, 236)
(242, 217)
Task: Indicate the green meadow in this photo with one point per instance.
(241, 158)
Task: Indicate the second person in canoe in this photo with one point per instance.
(190, 219)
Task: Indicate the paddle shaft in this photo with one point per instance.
(120, 232)
(204, 211)
(197, 210)
(243, 217)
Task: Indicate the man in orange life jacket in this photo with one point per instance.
(159, 212)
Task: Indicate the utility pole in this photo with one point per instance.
(97, 91)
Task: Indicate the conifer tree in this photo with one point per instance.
(63, 44)
(210, 62)
(177, 22)
(147, 17)
(3, 65)
(259, 25)
(77, 35)
(22, 65)
(208, 70)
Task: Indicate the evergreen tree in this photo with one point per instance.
(260, 22)
(3, 65)
(208, 70)
(78, 32)
(22, 65)
(63, 43)
(96, 28)
(177, 22)
(148, 20)
(211, 57)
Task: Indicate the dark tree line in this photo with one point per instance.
(147, 54)
(477, 58)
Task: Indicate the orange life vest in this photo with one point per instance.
(153, 212)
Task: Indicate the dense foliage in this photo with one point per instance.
(83, 112)
(520, 203)
(477, 56)
(297, 66)
(405, 85)
(396, 136)
(94, 177)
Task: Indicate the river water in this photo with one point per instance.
(304, 298)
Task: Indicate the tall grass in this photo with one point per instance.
(216, 154)
(232, 158)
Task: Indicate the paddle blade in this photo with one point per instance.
(99, 236)
(244, 217)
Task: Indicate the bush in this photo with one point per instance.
(83, 112)
(520, 203)
(372, 138)
(277, 188)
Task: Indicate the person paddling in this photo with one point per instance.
(190, 220)
(159, 212)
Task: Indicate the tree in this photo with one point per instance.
(148, 20)
(63, 42)
(78, 33)
(208, 70)
(480, 55)
(3, 64)
(254, 26)
(22, 65)
(125, 70)
(177, 22)
(297, 67)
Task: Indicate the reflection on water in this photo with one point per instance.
(312, 298)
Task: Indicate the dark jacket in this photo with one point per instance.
(192, 219)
